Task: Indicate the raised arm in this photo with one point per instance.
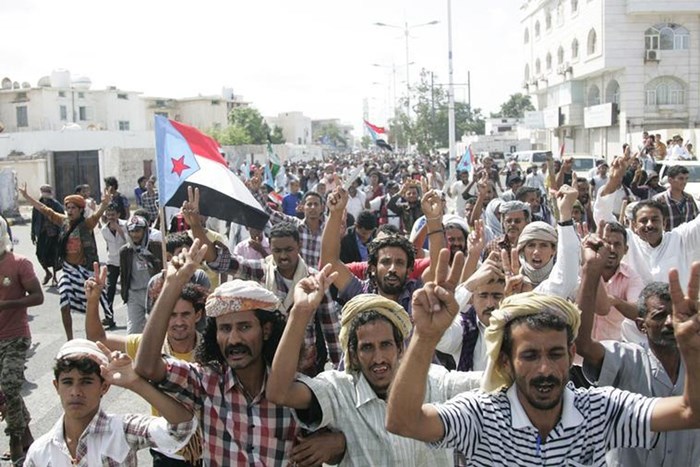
(190, 211)
(149, 362)
(594, 256)
(120, 372)
(281, 388)
(681, 413)
(330, 239)
(431, 204)
(94, 330)
(434, 308)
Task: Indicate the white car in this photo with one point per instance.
(583, 163)
(693, 186)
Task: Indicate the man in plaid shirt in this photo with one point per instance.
(227, 384)
(279, 272)
(681, 206)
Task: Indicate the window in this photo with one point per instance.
(81, 95)
(215, 102)
(123, 125)
(574, 7)
(122, 95)
(526, 37)
(548, 20)
(612, 92)
(560, 13)
(665, 90)
(592, 39)
(560, 55)
(667, 36)
(160, 103)
(593, 95)
(162, 114)
(63, 111)
(537, 29)
(538, 68)
(527, 72)
(548, 61)
(22, 117)
(21, 96)
(61, 93)
(82, 113)
(574, 49)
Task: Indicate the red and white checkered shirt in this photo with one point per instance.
(236, 430)
(310, 241)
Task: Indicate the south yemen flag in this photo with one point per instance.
(186, 157)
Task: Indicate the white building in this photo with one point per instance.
(602, 70)
(296, 127)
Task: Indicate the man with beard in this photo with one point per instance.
(228, 382)
(373, 332)
(527, 414)
(652, 251)
(622, 286)
(77, 250)
(584, 197)
(278, 273)
(180, 342)
(407, 205)
(655, 370)
(481, 294)
(515, 215)
(390, 260)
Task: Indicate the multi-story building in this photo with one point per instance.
(296, 127)
(602, 70)
(60, 101)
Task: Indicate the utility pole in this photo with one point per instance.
(450, 92)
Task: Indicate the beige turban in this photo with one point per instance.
(537, 230)
(80, 348)
(239, 295)
(515, 306)
(372, 302)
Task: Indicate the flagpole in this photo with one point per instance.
(164, 232)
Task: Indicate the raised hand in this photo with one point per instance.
(182, 266)
(434, 306)
(619, 167)
(119, 371)
(582, 229)
(595, 252)
(489, 269)
(475, 241)
(107, 196)
(190, 208)
(23, 191)
(566, 197)
(686, 321)
(309, 292)
(95, 284)
(337, 200)
(431, 204)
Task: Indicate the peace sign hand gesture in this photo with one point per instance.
(119, 371)
(686, 321)
(434, 306)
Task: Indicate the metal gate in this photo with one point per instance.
(73, 168)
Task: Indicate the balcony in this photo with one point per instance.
(661, 7)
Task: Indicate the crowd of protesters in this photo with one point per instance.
(390, 313)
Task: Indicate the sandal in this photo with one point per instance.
(47, 278)
(6, 456)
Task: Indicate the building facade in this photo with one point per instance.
(601, 71)
(296, 127)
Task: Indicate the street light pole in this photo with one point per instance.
(450, 92)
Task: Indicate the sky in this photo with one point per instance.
(313, 56)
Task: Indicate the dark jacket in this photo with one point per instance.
(126, 256)
(349, 252)
(39, 221)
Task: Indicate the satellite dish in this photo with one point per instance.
(15, 85)
(44, 82)
(7, 83)
(26, 85)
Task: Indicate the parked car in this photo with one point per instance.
(527, 158)
(693, 186)
(583, 163)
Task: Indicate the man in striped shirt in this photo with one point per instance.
(537, 418)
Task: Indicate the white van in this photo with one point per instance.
(527, 158)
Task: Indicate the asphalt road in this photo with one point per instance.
(47, 337)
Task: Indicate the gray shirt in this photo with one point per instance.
(633, 368)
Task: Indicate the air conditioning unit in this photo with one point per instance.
(651, 55)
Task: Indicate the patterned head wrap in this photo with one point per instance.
(372, 302)
(239, 295)
(515, 306)
(75, 199)
(80, 348)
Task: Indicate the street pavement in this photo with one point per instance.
(47, 337)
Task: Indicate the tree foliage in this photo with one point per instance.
(428, 126)
(331, 135)
(246, 126)
(515, 107)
